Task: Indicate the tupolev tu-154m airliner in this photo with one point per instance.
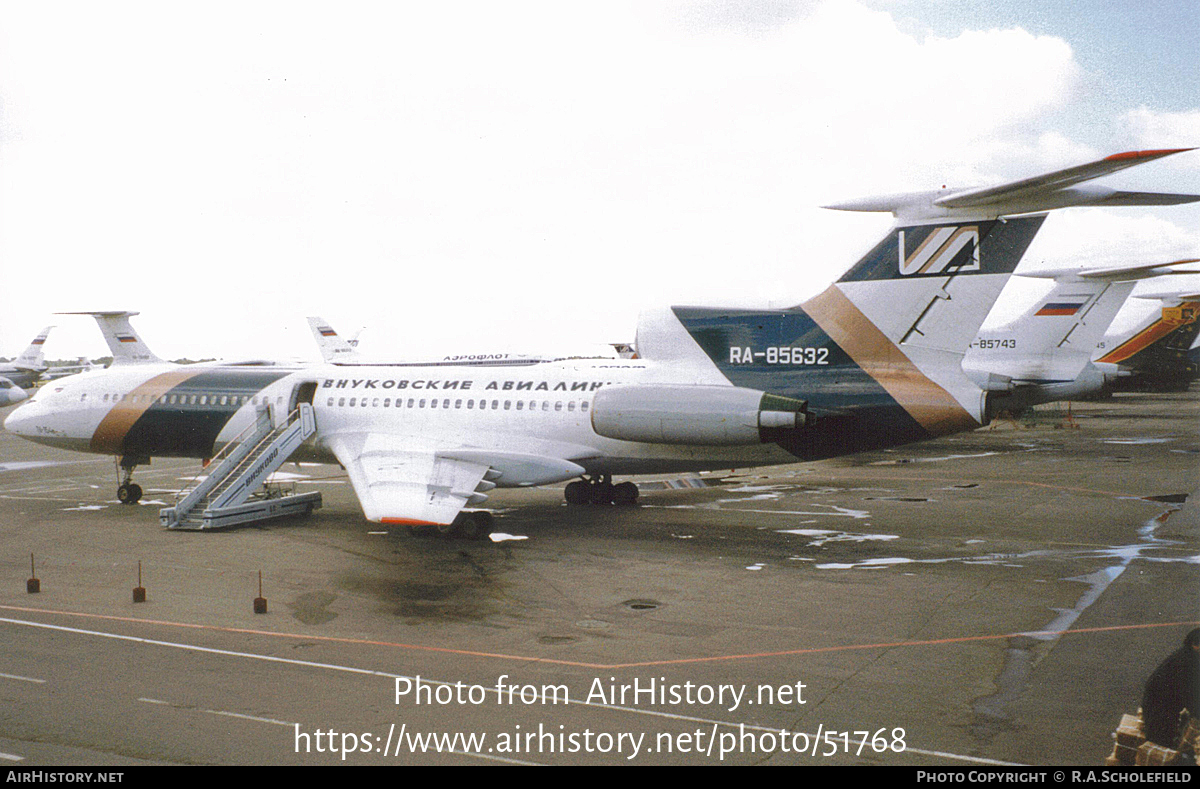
(873, 361)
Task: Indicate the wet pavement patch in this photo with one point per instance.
(641, 605)
(310, 608)
(557, 639)
(462, 596)
(1169, 498)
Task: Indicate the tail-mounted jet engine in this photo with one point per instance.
(684, 414)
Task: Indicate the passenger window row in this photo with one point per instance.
(495, 405)
(200, 399)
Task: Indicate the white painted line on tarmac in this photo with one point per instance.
(12, 757)
(225, 713)
(23, 679)
(372, 672)
(494, 758)
(251, 718)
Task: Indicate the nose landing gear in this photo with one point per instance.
(128, 491)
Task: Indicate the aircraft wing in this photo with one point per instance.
(399, 485)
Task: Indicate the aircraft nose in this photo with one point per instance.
(18, 422)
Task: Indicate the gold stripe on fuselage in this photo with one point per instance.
(109, 437)
(927, 402)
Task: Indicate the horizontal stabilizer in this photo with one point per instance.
(1168, 296)
(1119, 198)
(1123, 273)
(124, 343)
(1058, 189)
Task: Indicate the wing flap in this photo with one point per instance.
(397, 485)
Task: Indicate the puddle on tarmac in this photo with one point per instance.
(1025, 651)
(28, 464)
(462, 588)
(903, 461)
(499, 536)
(896, 498)
(826, 536)
(681, 483)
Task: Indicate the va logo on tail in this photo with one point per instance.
(954, 247)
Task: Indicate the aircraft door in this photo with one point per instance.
(303, 393)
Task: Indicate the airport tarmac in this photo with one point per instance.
(997, 597)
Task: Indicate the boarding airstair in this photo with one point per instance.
(235, 491)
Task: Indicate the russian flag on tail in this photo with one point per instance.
(1061, 307)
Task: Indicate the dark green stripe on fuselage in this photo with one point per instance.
(184, 429)
(853, 413)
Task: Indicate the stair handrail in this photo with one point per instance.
(299, 414)
(260, 413)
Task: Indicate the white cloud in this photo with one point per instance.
(1152, 129)
(1100, 238)
(477, 174)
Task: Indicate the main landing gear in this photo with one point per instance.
(129, 492)
(601, 490)
(474, 525)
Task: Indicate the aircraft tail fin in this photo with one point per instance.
(877, 357)
(931, 286)
(1167, 336)
(1055, 338)
(333, 348)
(124, 343)
(33, 357)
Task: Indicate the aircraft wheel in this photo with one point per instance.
(602, 493)
(577, 492)
(129, 493)
(477, 525)
(625, 494)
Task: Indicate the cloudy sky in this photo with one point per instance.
(529, 176)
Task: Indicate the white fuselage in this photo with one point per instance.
(541, 409)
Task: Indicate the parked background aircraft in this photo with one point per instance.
(10, 393)
(873, 361)
(1155, 354)
(82, 365)
(26, 369)
(1045, 354)
(336, 350)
